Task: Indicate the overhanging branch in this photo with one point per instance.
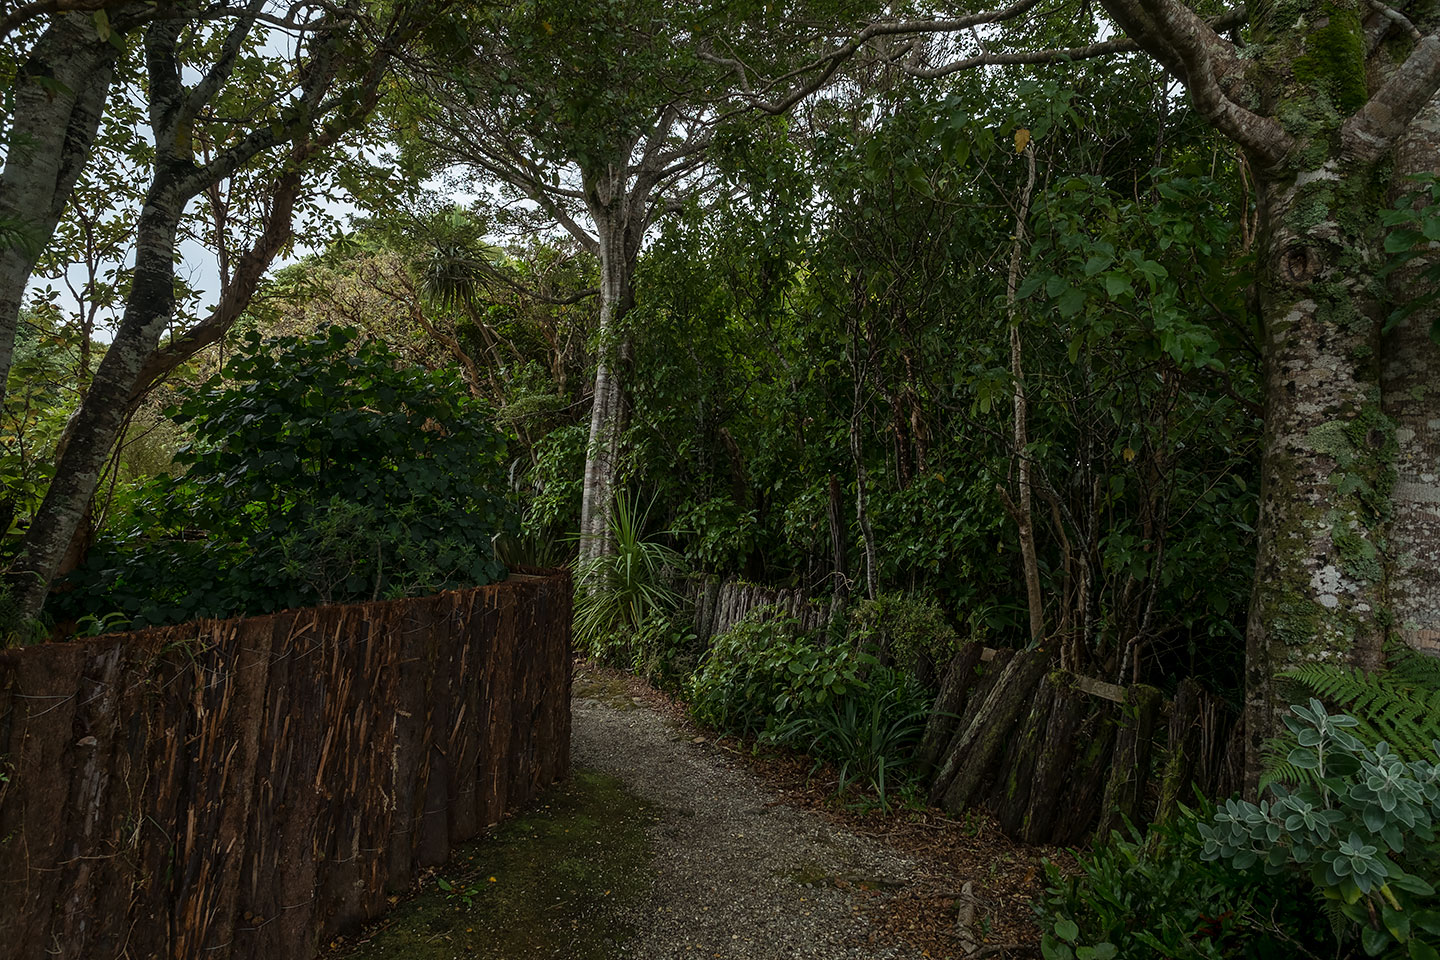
(1387, 114)
(818, 72)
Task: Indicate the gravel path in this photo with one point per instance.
(739, 876)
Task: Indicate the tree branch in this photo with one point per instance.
(20, 16)
(823, 68)
(1056, 55)
(237, 294)
(204, 91)
(1387, 114)
(252, 265)
(1209, 62)
(1396, 17)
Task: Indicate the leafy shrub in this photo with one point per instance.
(761, 673)
(617, 593)
(871, 732)
(907, 628)
(1338, 864)
(720, 534)
(1153, 898)
(556, 484)
(320, 470)
(665, 651)
(1360, 830)
(762, 678)
(1399, 705)
(1415, 223)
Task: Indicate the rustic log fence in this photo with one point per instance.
(1054, 756)
(717, 605)
(1057, 757)
(247, 788)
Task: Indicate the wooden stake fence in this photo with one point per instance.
(1054, 756)
(1057, 757)
(247, 788)
(719, 605)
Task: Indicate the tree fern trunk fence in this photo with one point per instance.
(1053, 755)
(248, 788)
(1056, 756)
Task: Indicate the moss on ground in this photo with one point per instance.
(560, 881)
(613, 691)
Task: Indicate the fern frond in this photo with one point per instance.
(1400, 706)
(1279, 769)
(1418, 669)
(1339, 923)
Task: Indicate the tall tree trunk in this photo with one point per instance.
(1410, 381)
(1024, 499)
(835, 515)
(97, 423)
(607, 412)
(1328, 446)
(862, 500)
(1316, 121)
(59, 96)
(1318, 146)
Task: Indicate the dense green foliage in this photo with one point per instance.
(319, 470)
(1151, 897)
(762, 672)
(904, 629)
(763, 678)
(1338, 862)
(846, 315)
(32, 420)
(1361, 830)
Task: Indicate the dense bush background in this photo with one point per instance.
(318, 470)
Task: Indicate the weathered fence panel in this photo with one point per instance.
(718, 605)
(246, 788)
(1056, 756)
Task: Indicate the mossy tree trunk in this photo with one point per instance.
(1328, 469)
(1318, 126)
(1327, 466)
(1410, 390)
(623, 196)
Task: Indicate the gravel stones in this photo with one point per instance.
(738, 875)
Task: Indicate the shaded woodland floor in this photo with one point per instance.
(669, 843)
